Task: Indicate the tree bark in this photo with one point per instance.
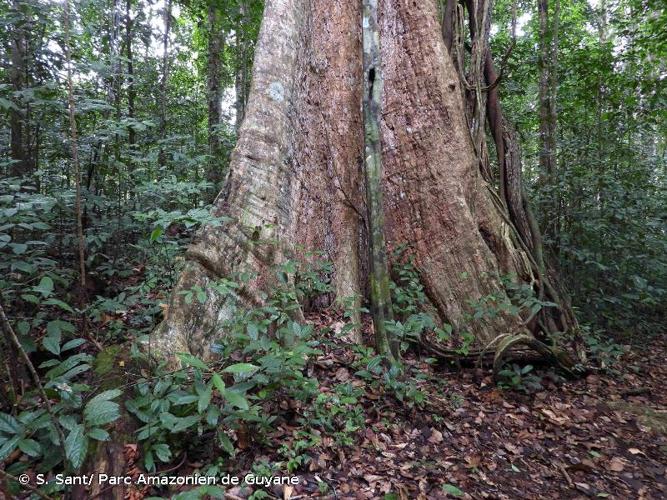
(548, 63)
(216, 38)
(19, 120)
(71, 108)
(164, 79)
(241, 83)
(131, 92)
(380, 296)
(295, 174)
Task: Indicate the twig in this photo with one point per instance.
(176, 467)
(7, 475)
(9, 331)
(567, 476)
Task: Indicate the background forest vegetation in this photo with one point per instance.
(159, 89)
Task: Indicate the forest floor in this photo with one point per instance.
(601, 436)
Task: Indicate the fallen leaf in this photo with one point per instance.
(616, 464)
(342, 374)
(512, 449)
(473, 461)
(436, 436)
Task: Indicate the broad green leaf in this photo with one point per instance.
(59, 303)
(106, 396)
(57, 326)
(190, 360)
(72, 344)
(157, 232)
(101, 412)
(51, 341)
(9, 446)
(18, 248)
(204, 399)
(98, 434)
(212, 415)
(76, 446)
(236, 399)
(184, 399)
(68, 422)
(226, 443)
(77, 370)
(68, 364)
(8, 424)
(162, 452)
(218, 383)
(30, 447)
(149, 463)
(241, 368)
(24, 267)
(33, 299)
(178, 424)
(45, 286)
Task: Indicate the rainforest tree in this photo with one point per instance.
(295, 174)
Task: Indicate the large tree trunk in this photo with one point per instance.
(295, 173)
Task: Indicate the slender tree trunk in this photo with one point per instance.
(295, 172)
(163, 84)
(113, 87)
(216, 39)
(17, 117)
(547, 62)
(380, 296)
(543, 90)
(75, 153)
(131, 92)
(241, 83)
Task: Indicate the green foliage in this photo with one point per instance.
(26, 220)
(407, 292)
(604, 352)
(603, 209)
(220, 396)
(519, 378)
(452, 490)
(294, 454)
(408, 301)
(337, 414)
(381, 374)
(34, 432)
